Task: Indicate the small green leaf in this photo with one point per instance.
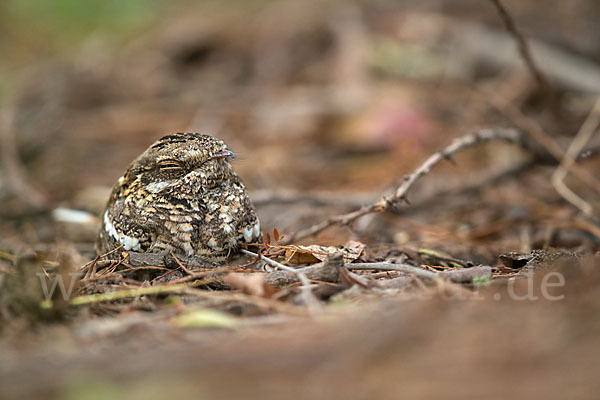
(431, 252)
(173, 300)
(204, 318)
(46, 304)
(482, 281)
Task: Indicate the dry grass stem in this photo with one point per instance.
(587, 130)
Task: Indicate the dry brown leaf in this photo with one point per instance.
(253, 284)
(354, 247)
(297, 255)
(314, 253)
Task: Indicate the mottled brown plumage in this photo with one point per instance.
(180, 195)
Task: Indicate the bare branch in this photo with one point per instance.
(306, 287)
(523, 47)
(400, 193)
(543, 139)
(386, 266)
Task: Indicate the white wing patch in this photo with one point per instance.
(256, 229)
(251, 233)
(247, 234)
(128, 242)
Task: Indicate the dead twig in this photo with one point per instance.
(326, 271)
(587, 130)
(473, 187)
(202, 274)
(539, 135)
(386, 266)
(7, 256)
(400, 194)
(462, 275)
(465, 275)
(179, 267)
(89, 269)
(523, 47)
(306, 287)
(136, 292)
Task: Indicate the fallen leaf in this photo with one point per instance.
(204, 318)
(298, 255)
(314, 253)
(355, 249)
(253, 284)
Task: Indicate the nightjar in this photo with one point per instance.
(180, 195)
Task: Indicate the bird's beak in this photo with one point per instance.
(225, 153)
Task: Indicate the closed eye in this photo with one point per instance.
(169, 165)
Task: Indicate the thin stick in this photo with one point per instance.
(399, 195)
(386, 266)
(197, 275)
(186, 288)
(180, 266)
(309, 297)
(98, 257)
(7, 256)
(123, 294)
(587, 130)
(535, 130)
(523, 47)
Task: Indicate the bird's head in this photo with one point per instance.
(182, 159)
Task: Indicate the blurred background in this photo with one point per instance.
(335, 98)
(328, 104)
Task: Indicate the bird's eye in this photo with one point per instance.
(169, 165)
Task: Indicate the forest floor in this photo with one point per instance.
(429, 203)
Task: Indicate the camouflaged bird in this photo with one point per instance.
(180, 195)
